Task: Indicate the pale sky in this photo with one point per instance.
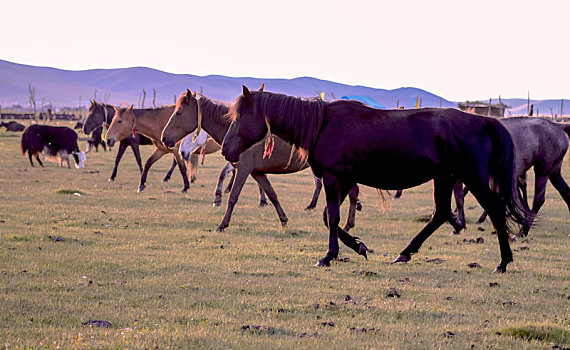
(456, 49)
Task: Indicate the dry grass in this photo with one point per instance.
(150, 264)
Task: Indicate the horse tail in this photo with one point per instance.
(24, 143)
(502, 169)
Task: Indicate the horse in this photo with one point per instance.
(439, 144)
(148, 122)
(100, 114)
(190, 149)
(539, 143)
(191, 113)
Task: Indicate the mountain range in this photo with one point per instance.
(124, 86)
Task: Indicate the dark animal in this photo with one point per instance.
(190, 111)
(96, 140)
(541, 144)
(100, 114)
(78, 125)
(56, 142)
(12, 126)
(347, 143)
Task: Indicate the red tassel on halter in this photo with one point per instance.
(134, 132)
(269, 143)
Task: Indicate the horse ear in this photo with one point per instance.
(262, 87)
(194, 94)
(116, 110)
(130, 108)
(246, 93)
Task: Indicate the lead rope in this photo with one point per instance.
(269, 143)
(199, 128)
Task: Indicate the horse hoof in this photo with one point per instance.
(262, 204)
(454, 233)
(310, 207)
(500, 269)
(111, 179)
(284, 223)
(165, 179)
(359, 206)
(322, 263)
(362, 250)
(184, 190)
(141, 188)
(401, 258)
(220, 228)
(217, 204)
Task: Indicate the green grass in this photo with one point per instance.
(151, 264)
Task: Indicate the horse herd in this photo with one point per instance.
(347, 143)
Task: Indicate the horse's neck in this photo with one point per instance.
(216, 124)
(151, 122)
(109, 112)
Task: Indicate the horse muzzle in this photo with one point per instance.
(168, 143)
(111, 142)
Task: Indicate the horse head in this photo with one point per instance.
(96, 116)
(122, 125)
(183, 120)
(247, 128)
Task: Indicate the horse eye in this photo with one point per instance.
(119, 121)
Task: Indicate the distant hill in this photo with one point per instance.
(124, 86)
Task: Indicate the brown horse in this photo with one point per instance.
(148, 122)
(284, 159)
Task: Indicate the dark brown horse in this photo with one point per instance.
(347, 143)
(184, 120)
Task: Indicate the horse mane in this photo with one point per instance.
(213, 107)
(299, 117)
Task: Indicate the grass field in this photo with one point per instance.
(76, 248)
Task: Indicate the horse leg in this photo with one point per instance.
(353, 200)
(560, 185)
(169, 173)
(156, 155)
(137, 153)
(218, 195)
(264, 183)
(333, 195)
(31, 161)
(442, 189)
(262, 197)
(354, 205)
(398, 194)
(241, 176)
(231, 183)
(183, 170)
(104, 145)
(459, 222)
(193, 167)
(120, 152)
(497, 211)
(538, 200)
(315, 199)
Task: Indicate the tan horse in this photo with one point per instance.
(284, 159)
(148, 122)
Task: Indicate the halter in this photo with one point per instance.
(199, 128)
(268, 141)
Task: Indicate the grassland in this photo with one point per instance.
(77, 248)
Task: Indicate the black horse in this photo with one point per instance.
(102, 114)
(347, 143)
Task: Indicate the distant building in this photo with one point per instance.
(481, 108)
